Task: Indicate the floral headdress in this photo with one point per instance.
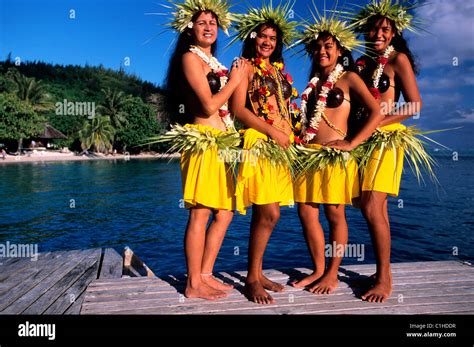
(395, 10)
(184, 12)
(246, 24)
(340, 30)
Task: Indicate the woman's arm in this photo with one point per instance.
(193, 72)
(248, 118)
(411, 94)
(360, 90)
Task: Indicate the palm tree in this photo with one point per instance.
(98, 134)
(113, 106)
(30, 91)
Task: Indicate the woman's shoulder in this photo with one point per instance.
(351, 77)
(400, 59)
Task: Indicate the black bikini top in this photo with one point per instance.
(273, 88)
(214, 82)
(384, 83)
(334, 100)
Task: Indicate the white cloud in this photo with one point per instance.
(462, 117)
(447, 79)
(452, 33)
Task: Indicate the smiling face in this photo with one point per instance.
(326, 51)
(380, 34)
(204, 30)
(265, 42)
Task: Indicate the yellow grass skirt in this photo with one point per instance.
(259, 182)
(206, 180)
(384, 169)
(331, 185)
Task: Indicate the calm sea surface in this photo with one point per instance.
(136, 203)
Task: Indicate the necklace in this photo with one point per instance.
(221, 71)
(381, 62)
(276, 75)
(310, 131)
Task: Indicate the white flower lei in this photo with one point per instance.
(379, 71)
(320, 104)
(216, 67)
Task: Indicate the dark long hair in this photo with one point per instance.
(175, 76)
(346, 59)
(249, 51)
(398, 41)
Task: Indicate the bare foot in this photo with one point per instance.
(306, 281)
(255, 292)
(270, 285)
(203, 291)
(325, 285)
(214, 283)
(380, 292)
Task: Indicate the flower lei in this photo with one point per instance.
(263, 92)
(382, 61)
(310, 132)
(221, 71)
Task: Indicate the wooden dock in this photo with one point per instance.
(91, 282)
(56, 282)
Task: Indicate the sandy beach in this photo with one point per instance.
(50, 156)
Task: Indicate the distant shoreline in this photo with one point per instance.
(67, 157)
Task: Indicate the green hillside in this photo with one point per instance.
(97, 108)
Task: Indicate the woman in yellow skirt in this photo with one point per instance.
(199, 87)
(329, 170)
(261, 103)
(388, 74)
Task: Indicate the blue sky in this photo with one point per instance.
(111, 32)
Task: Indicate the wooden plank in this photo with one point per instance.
(163, 294)
(134, 266)
(19, 264)
(38, 299)
(112, 264)
(239, 302)
(42, 278)
(75, 308)
(33, 269)
(71, 295)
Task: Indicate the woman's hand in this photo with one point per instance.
(280, 138)
(239, 70)
(342, 145)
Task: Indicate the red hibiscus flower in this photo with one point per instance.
(263, 90)
(223, 113)
(360, 61)
(222, 73)
(258, 61)
(298, 140)
(327, 84)
(382, 60)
